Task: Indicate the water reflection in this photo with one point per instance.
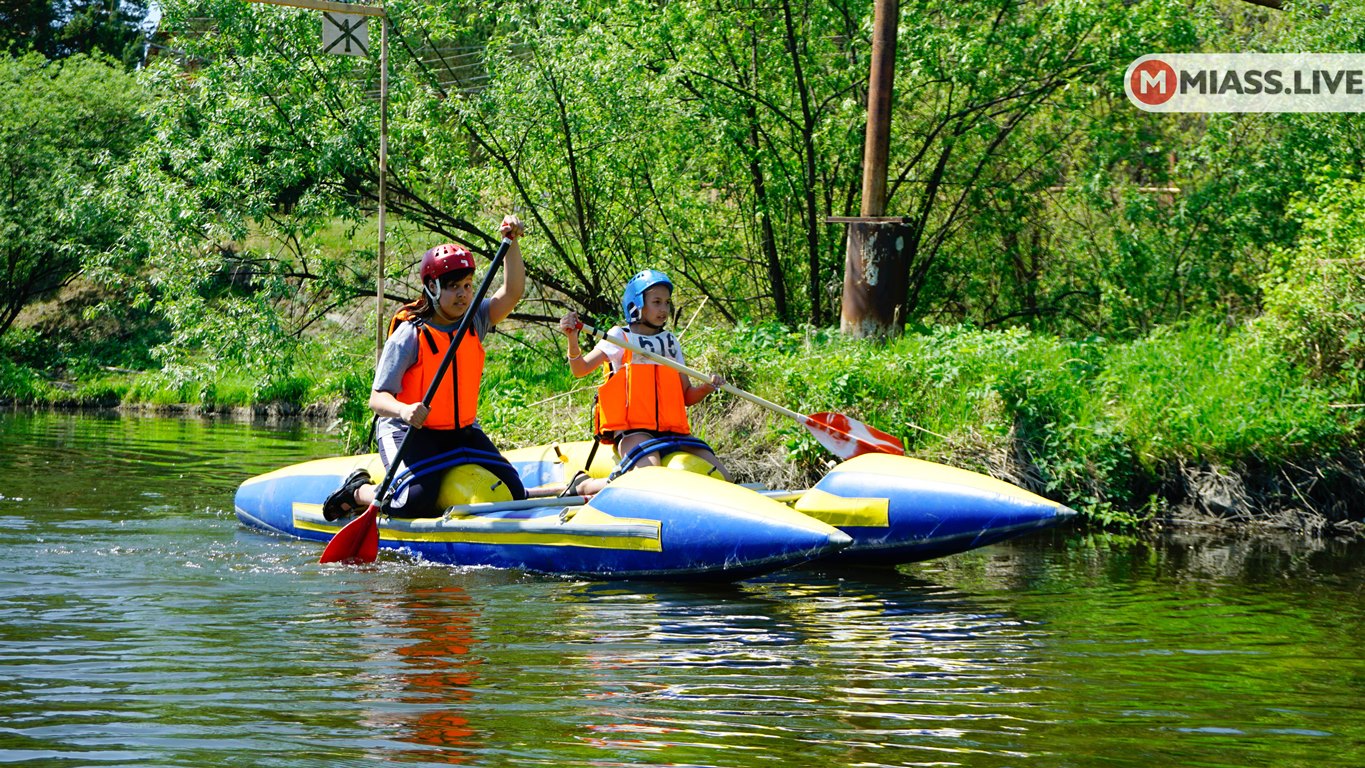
(872, 662)
(437, 672)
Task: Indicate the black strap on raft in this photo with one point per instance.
(495, 463)
(587, 465)
(596, 439)
(371, 443)
(455, 389)
(660, 445)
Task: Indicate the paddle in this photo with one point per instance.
(843, 436)
(359, 539)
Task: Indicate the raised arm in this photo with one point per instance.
(505, 299)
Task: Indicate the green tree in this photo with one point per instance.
(1315, 294)
(1116, 221)
(65, 126)
(776, 95)
(711, 140)
(614, 158)
(61, 28)
(28, 25)
(260, 142)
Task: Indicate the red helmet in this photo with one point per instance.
(443, 259)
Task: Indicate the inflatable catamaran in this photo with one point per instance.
(663, 523)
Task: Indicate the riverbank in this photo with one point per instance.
(1192, 425)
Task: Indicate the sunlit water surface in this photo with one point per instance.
(141, 626)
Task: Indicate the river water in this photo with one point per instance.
(141, 626)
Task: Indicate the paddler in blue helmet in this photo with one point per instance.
(642, 405)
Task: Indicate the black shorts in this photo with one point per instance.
(423, 489)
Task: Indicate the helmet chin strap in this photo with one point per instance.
(646, 323)
(433, 297)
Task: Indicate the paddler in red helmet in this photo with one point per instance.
(446, 434)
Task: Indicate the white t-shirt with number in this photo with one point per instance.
(663, 344)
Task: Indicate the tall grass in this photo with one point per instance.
(1210, 395)
(1096, 424)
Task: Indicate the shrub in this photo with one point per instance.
(19, 383)
(292, 389)
(1314, 297)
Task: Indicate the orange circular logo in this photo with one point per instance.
(1153, 82)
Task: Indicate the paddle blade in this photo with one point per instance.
(357, 542)
(846, 437)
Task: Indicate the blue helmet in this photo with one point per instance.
(633, 299)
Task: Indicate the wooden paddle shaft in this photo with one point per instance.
(680, 368)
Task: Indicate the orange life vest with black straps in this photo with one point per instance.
(641, 396)
(456, 403)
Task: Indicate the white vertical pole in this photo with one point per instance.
(383, 173)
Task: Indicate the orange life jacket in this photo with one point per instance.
(641, 396)
(405, 313)
(457, 398)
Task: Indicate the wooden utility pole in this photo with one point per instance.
(875, 271)
(877, 142)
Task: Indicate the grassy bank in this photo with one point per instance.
(1127, 432)
(1194, 420)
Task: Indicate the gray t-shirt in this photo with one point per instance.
(400, 352)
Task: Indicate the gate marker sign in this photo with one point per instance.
(346, 34)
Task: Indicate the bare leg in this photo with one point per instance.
(364, 495)
(590, 486)
(633, 440)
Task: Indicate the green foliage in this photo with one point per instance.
(1098, 422)
(1118, 221)
(529, 395)
(19, 383)
(1018, 108)
(101, 392)
(352, 391)
(65, 126)
(289, 389)
(26, 355)
(60, 28)
(1315, 294)
(711, 140)
(1206, 394)
(81, 331)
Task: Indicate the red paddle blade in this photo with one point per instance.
(358, 541)
(846, 438)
